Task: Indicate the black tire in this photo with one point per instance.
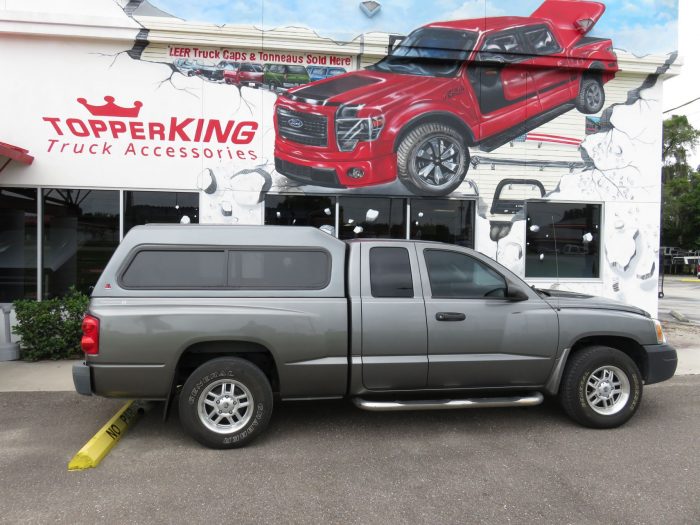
(575, 387)
(206, 381)
(591, 96)
(273, 86)
(411, 160)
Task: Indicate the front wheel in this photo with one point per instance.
(226, 403)
(432, 159)
(591, 96)
(601, 387)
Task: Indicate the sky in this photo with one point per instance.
(638, 26)
(684, 87)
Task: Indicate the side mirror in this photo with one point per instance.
(515, 293)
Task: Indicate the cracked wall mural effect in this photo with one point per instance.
(212, 130)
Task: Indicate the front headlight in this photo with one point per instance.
(350, 129)
(660, 336)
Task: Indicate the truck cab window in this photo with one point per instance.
(458, 276)
(390, 272)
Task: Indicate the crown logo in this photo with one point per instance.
(110, 109)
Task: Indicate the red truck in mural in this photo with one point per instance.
(245, 74)
(446, 87)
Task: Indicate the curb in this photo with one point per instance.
(99, 445)
(679, 316)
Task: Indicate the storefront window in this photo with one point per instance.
(562, 240)
(81, 231)
(301, 210)
(372, 217)
(144, 207)
(18, 226)
(443, 220)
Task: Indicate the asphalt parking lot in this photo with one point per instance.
(681, 296)
(328, 462)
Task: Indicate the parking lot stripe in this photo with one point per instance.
(102, 442)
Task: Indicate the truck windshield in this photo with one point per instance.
(429, 52)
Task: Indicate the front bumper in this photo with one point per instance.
(661, 362)
(327, 170)
(81, 379)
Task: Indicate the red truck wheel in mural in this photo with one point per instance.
(447, 87)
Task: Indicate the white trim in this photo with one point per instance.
(121, 215)
(408, 218)
(337, 217)
(39, 243)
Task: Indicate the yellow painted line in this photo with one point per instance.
(101, 443)
(689, 280)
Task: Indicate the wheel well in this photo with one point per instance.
(443, 118)
(628, 346)
(594, 71)
(199, 353)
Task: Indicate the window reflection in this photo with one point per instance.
(372, 217)
(301, 210)
(443, 220)
(81, 231)
(562, 240)
(18, 226)
(144, 207)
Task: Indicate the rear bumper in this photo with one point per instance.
(81, 379)
(661, 362)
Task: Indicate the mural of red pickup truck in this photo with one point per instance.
(447, 87)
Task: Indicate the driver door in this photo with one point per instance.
(476, 336)
(501, 78)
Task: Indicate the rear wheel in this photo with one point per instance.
(601, 387)
(591, 96)
(226, 403)
(432, 159)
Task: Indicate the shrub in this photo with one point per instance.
(50, 329)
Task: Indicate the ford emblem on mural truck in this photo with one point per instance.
(528, 130)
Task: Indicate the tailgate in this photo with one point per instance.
(572, 18)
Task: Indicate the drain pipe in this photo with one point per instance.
(9, 351)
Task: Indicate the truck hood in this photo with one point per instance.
(562, 299)
(366, 87)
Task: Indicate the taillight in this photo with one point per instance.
(90, 343)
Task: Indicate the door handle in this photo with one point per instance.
(450, 316)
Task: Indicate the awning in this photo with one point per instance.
(9, 152)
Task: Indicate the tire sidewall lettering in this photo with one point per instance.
(192, 398)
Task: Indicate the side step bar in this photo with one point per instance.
(445, 404)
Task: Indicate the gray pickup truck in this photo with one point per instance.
(227, 318)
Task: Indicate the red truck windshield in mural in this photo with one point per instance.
(447, 87)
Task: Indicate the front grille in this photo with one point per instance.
(311, 130)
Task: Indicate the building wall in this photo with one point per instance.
(65, 65)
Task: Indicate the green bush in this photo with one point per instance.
(50, 329)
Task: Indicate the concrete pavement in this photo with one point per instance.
(41, 376)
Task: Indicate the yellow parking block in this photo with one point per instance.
(101, 443)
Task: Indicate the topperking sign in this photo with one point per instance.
(114, 130)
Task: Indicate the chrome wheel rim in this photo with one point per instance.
(593, 96)
(225, 406)
(438, 161)
(607, 390)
